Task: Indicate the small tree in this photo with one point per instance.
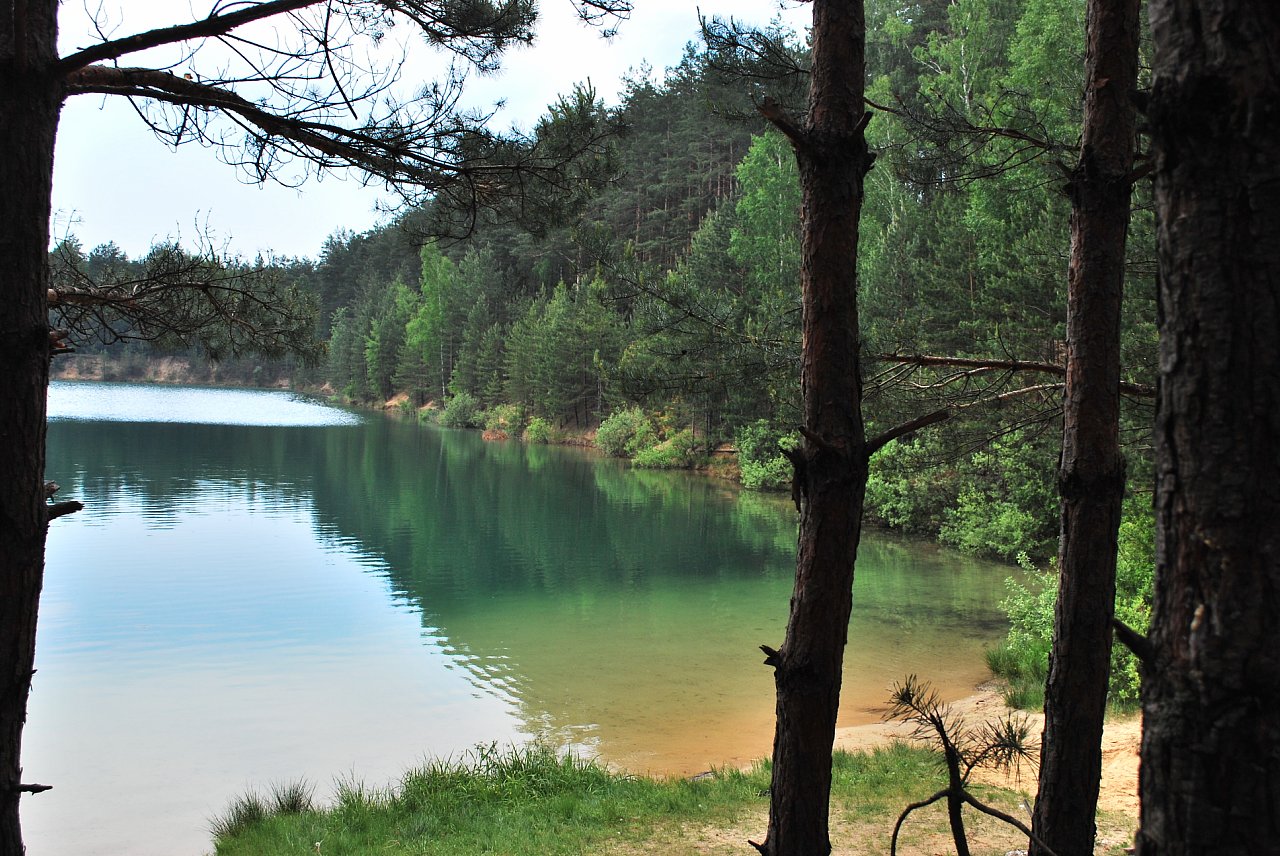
(1001, 745)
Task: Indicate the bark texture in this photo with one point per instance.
(831, 465)
(1091, 472)
(1210, 780)
(29, 103)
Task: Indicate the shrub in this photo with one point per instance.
(539, 430)
(461, 411)
(1008, 503)
(909, 487)
(504, 417)
(760, 459)
(1023, 658)
(674, 453)
(617, 433)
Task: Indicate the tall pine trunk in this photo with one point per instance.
(29, 104)
(1210, 780)
(831, 464)
(1091, 472)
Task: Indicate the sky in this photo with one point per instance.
(114, 181)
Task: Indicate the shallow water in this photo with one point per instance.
(262, 588)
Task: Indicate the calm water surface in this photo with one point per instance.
(262, 588)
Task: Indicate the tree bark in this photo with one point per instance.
(1210, 780)
(831, 464)
(30, 98)
(1091, 471)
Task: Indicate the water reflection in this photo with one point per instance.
(313, 601)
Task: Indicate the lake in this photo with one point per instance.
(262, 588)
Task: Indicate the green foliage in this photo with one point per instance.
(676, 452)
(1135, 574)
(461, 411)
(1023, 658)
(909, 487)
(767, 238)
(507, 418)
(619, 430)
(760, 459)
(1009, 503)
(539, 430)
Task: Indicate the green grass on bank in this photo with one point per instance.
(532, 801)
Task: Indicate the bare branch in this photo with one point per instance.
(897, 827)
(214, 25)
(882, 440)
(1141, 390)
(1009, 819)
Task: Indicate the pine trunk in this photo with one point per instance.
(1210, 780)
(29, 104)
(1091, 473)
(831, 465)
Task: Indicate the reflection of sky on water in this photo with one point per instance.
(224, 648)
(199, 635)
(121, 402)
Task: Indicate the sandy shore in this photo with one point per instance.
(1120, 743)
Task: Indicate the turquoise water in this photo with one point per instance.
(263, 588)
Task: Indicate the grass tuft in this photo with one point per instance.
(245, 811)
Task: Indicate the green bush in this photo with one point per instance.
(911, 485)
(617, 433)
(539, 430)
(760, 460)
(461, 411)
(1135, 573)
(504, 417)
(674, 453)
(1023, 658)
(1008, 503)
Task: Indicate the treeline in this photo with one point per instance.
(675, 290)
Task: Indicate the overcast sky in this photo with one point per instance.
(113, 181)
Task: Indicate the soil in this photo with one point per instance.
(866, 833)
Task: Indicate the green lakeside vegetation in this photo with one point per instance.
(533, 801)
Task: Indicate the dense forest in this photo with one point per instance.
(659, 305)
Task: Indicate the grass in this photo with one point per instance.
(1024, 672)
(532, 801)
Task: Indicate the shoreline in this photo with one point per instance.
(1121, 740)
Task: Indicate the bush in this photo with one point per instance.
(1135, 573)
(538, 431)
(676, 452)
(504, 417)
(762, 464)
(461, 411)
(1008, 503)
(1023, 658)
(618, 432)
(909, 487)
